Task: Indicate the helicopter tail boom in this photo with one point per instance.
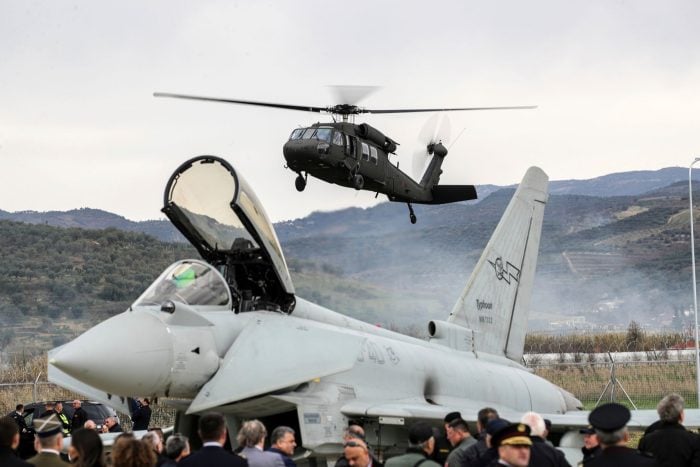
(443, 194)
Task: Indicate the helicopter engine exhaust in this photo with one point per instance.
(363, 130)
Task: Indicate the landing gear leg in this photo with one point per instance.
(358, 182)
(411, 214)
(300, 182)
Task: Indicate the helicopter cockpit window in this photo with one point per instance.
(191, 282)
(338, 138)
(296, 134)
(373, 154)
(308, 133)
(324, 134)
(365, 152)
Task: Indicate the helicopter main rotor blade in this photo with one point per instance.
(304, 108)
(405, 111)
(351, 94)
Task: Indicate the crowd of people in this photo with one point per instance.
(495, 442)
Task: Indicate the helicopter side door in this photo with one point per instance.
(369, 165)
(351, 147)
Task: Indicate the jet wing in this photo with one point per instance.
(273, 353)
(420, 409)
(56, 376)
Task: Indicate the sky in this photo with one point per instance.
(617, 85)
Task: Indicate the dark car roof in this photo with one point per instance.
(96, 411)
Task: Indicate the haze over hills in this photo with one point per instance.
(604, 259)
(617, 184)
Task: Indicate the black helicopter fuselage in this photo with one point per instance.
(357, 156)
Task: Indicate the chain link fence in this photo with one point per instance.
(636, 384)
(12, 394)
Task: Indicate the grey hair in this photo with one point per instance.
(278, 433)
(175, 445)
(354, 431)
(152, 439)
(670, 408)
(251, 433)
(611, 438)
(535, 422)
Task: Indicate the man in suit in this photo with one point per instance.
(252, 437)
(212, 432)
(79, 417)
(49, 433)
(141, 415)
(9, 440)
(283, 442)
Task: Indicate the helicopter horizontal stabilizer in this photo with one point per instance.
(443, 194)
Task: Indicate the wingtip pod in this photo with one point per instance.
(495, 303)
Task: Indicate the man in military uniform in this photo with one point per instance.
(513, 443)
(49, 432)
(610, 424)
(591, 446)
(443, 447)
(461, 439)
(421, 444)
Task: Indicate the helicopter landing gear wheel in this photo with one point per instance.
(358, 182)
(411, 214)
(300, 183)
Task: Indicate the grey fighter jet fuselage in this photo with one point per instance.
(228, 332)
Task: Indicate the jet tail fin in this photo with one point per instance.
(495, 303)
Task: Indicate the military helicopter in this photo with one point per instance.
(357, 155)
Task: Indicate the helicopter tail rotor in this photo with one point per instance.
(432, 139)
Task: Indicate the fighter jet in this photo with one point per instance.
(228, 333)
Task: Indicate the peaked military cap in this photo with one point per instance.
(514, 434)
(452, 416)
(495, 425)
(589, 430)
(609, 417)
(47, 426)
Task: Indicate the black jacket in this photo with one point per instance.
(544, 455)
(141, 418)
(620, 456)
(9, 459)
(672, 445)
(589, 453)
(78, 419)
(210, 456)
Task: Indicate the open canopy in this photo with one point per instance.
(218, 212)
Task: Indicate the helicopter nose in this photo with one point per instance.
(128, 354)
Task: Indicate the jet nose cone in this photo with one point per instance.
(129, 354)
